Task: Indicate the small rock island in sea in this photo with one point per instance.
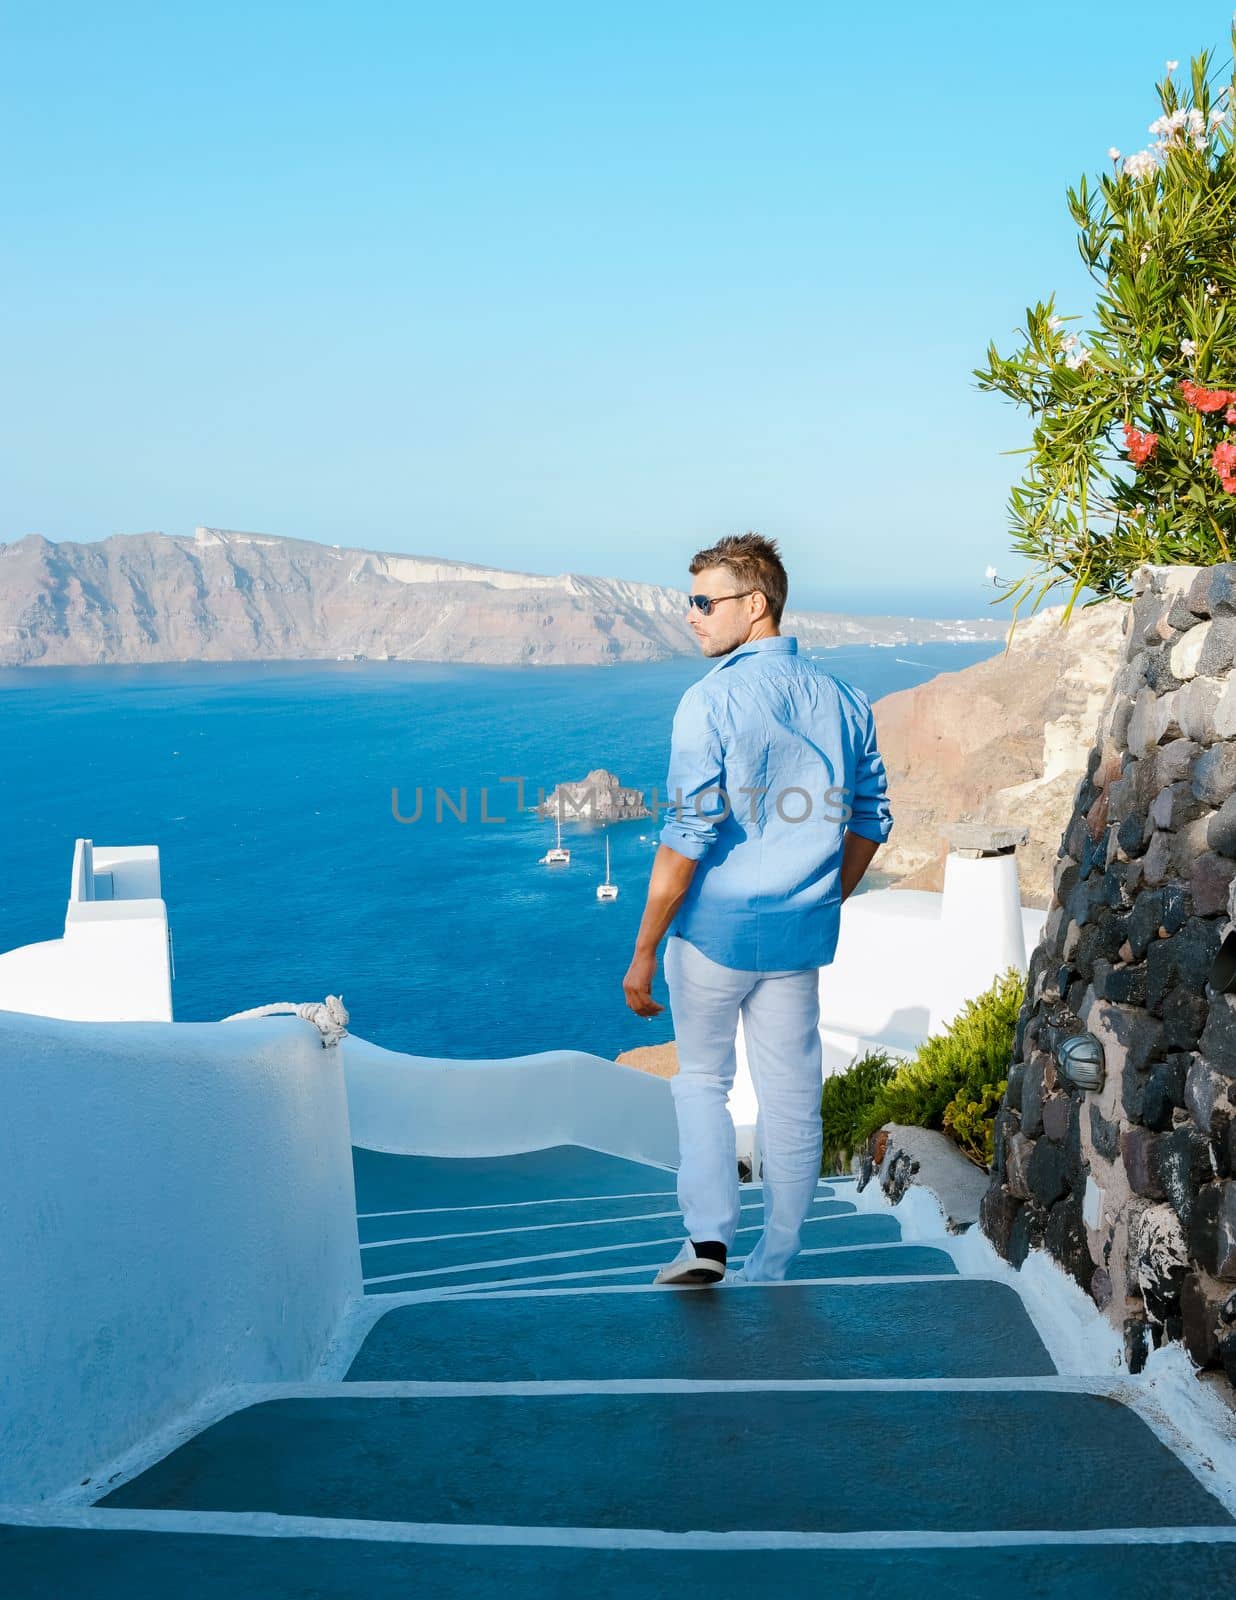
(599, 797)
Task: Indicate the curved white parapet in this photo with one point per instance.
(178, 1214)
(420, 1105)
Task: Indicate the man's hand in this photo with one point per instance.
(637, 986)
(667, 888)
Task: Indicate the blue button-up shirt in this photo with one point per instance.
(769, 753)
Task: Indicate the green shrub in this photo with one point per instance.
(955, 1080)
(846, 1098)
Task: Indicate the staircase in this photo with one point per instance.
(514, 1411)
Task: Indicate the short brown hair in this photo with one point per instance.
(755, 563)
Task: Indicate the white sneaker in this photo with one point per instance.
(690, 1270)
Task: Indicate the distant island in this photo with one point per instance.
(600, 797)
(226, 596)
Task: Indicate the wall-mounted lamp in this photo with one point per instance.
(1080, 1058)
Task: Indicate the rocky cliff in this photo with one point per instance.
(1005, 741)
(223, 596)
(599, 797)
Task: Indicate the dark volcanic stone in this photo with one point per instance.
(1183, 1160)
(1158, 671)
(1218, 1040)
(1130, 835)
(1144, 921)
(1137, 1151)
(1006, 1124)
(1056, 1110)
(1221, 833)
(1212, 1229)
(1065, 1238)
(1163, 1092)
(1104, 1135)
(1199, 1313)
(1032, 1095)
(1184, 958)
(1184, 1016)
(1137, 1343)
(1213, 592)
(1209, 883)
(1048, 1179)
(1177, 907)
(1179, 616)
(1027, 1232)
(1088, 899)
(997, 1212)
(1121, 985)
(1219, 649)
(1093, 855)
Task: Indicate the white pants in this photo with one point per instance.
(781, 1026)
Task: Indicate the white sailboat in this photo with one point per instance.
(556, 856)
(607, 890)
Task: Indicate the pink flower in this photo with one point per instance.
(1205, 400)
(1140, 446)
(1224, 463)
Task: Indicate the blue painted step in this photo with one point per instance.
(899, 1261)
(954, 1328)
(39, 1563)
(486, 1218)
(842, 1231)
(386, 1182)
(828, 1460)
(379, 1260)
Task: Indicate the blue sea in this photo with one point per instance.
(268, 789)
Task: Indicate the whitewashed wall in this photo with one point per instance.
(176, 1213)
(418, 1105)
(112, 964)
(908, 960)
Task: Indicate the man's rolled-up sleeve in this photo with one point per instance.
(871, 815)
(697, 766)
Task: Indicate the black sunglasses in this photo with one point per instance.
(705, 602)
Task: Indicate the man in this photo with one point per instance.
(778, 805)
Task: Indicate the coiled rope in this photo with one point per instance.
(328, 1016)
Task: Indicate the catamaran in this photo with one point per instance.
(607, 890)
(557, 856)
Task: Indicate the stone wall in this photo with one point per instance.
(1132, 1187)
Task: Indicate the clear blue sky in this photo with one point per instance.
(549, 286)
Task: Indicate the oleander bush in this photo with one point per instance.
(844, 1102)
(955, 1080)
(1133, 452)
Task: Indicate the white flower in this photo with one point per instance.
(1069, 342)
(1055, 322)
(990, 574)
(1145, 253)
(1141, 165)
(1113, 154)
(1077, 359)
(1188, 348)
(1212, 289)
(1216, 117)
(1172, 65)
